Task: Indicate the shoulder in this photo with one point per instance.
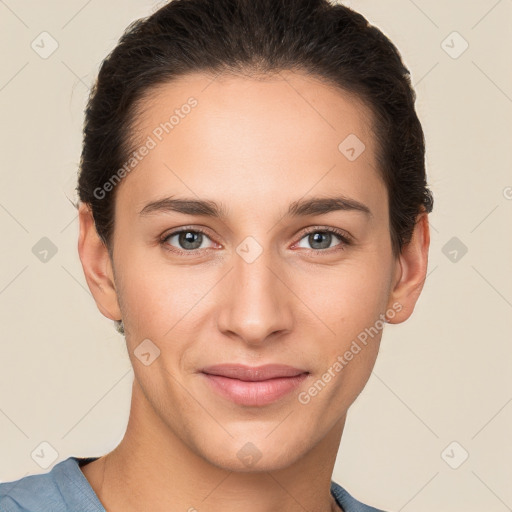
(28, 493)
(59, 490)
(348, 502)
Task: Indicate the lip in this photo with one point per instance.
(254, 385)
(253, 373)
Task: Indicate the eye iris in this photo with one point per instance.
(315, 238)
(190, 237)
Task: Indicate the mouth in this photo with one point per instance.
(253, 386)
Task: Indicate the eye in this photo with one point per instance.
(321, 239)
(185, 240)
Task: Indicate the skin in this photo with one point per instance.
(254, 145)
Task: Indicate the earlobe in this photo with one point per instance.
(97, 265)
(412, 271)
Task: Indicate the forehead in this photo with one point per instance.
(274, 135)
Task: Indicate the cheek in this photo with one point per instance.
(347, 298)
(349, 350)
(349, 301)
(159, 299)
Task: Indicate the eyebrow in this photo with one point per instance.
(300, 208)
(185, 205)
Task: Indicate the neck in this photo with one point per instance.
(153, 469)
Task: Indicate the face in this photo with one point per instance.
(273, 278)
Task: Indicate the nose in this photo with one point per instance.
(257, 304)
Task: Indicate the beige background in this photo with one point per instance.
(443, 376)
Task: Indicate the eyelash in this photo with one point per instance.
(345, 239)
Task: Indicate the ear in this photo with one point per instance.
(411, 271)
(97, 265)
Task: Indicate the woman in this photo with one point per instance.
(253, 209)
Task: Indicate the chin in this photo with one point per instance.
(263, 465)
(252, 456)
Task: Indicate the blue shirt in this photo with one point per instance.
(65, 489)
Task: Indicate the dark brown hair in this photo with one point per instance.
(328, 41)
